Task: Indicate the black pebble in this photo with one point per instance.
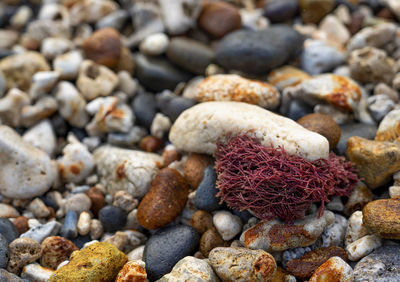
(8, 230)
(112, 218)
(206, 198)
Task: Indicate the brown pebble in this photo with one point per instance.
(219, 18)
(151, 144)
(169, 156)
(210, 240)
(165, 200)
(279, 275)
(56, 249)
(202, 221)
(103, 47)
(97, 199)
(324, 125)
(360, 196)
(21, 223)
(304, 266)
(125, 62)
(194, 168)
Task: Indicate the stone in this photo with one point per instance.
(160, 125)
(35, 272)
(18, 69)
(119, 240)
(206, 193)
(157, 74)
(67, 64)
(42, 136)
(38, 208)
(231, 87)
(202, 221)
(280, 11)
(133, 270)
(103, 47)
(112, 218)
(102, 262)
(274, 47)
(42, 83)
(69, 230)
(83, 224)
(22, 252)
(367, 131)
(319, 57)
(11, 107)
(97, 199)
(381, 216)
(312, 11)
(389, 129)
(55, 250)
(363, 246)
(241, 264)
(207, 123)
(376, 161)
(96, 229)
(384, 89)
(71, 104)
(4, 253)
(78, 202)
(95, 80)
(164, 201)
(190, 55)
(227, 224)
(128, 170)
(27, 172)
(194, 169)
(305, 266)
(334, 30)
(190, 268)
(91, 11)
(340, 92)
(115, 20)
(136, 254)
(173, 105)
(379, 106)
(144, 106)
(150, 144)
(166, 247)
(154, 44)
(334, 234)
(277, 236)
(355, 229)
(370, 64)
(42, 231)
(210, 240)
(42, 109)
(76, 162)
(7, 211)
(374, 36)
(53, 46)
(125, 201)
(324, 125)
(334, 268)
(9, 277)
(127, 84)
(286, 76)
(381, 265)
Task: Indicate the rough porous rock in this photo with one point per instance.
(389, 127)
(241, 264)
(232, 87)
(382, 218)
(190, 269)
(199, 128)
(128, 170)
(133, 271)
(55, 250)
(334, 269)
(26, 171)
(164, 201)
(22, 252)
(98, 261)
(277, 236)
(381, 265)
(375, 161)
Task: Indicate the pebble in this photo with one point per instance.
(286, 76)
(335, 31)
(154, 44)
(380, 265)
(381, 216)
(128, 170)
(166, 247)
(202, 221)
(355, 229)
(160, 125)
(4, 253)
(35, 172)
(367, 131)
(127, 84)
(190, 55)
(91, 11)
(165, 200)
(97, 199)
(376, 161)
(22, 252)
(379, 106)
(67, 64)
(334, 234)
(334, 268)
(374, 36)
(144, 106)
(42, 109)
(102, 261)
(9, 277)
(133, 270)
(35, 272)
(371, 65)
(191, 269)
(95, 80)
(125, 201)
(96, 229)
(219, 18)
(280, 11)
(324, 125)
(103, 47)
(42, 231)
(258, 51)
(55, 250)
(173, 105)
(312, 11)
(231, 87)
(363, 246)
(11, 107)
(38, 208)
(319, 57)
(388, 129)
(227, 224)
(79, 202)
(53, 46)
(68, 229)
(7, 211)
(150, 144)
(42, 136)
(21, 223)
(210, 240)
(83, 224)
(42, 83)
(206, 193)
(195, 167)
(241, 264)
(112, 218)
(208, 123)
(305, 266)
(157, 74)
(277, 236)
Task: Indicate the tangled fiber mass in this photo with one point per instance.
(272, 183)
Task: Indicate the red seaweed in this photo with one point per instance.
(272, 183)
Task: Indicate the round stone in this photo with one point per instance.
(8, 230)
(112, 218)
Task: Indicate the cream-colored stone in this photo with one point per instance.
(42, 136)
(36, 272)
(355, 229)
(363, 246)
(11, 106)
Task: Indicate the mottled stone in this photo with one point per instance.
(360, 196)
(363, 246)
(355, 228)
(334, 269)
(287, 76)
(132, 271)
(389, 127)
(55, 250)
(22, 252)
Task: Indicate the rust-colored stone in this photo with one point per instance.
(169, 156)
(360, 196)
(21, 223)
(210, 240)
(202, 221)
(55, 250)
(194, 168)
(97, 199)
(151, 144)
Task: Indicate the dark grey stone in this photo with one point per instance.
(173, 105)
(206, 194)
(112, 218)
(145, 108)
(4, 254)
(367, 131)
(280, 10)
(8, 230)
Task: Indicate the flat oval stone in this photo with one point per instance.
(112, 218)
(166, 247)
(199, 128)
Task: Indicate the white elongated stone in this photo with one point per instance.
(199, 128)
(363, 246)
(36, 272)
(42, 136)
